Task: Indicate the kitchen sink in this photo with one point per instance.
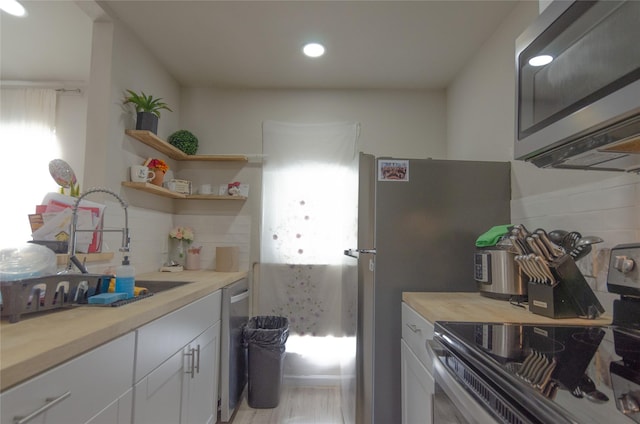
(160, 286)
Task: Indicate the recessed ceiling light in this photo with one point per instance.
(540, 60)
(313, 50)
(12, 7)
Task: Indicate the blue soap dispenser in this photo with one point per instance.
(125, 278)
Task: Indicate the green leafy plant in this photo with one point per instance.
(144, 103)
(185, 141)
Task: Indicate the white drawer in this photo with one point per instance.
(77, 390)
(160, 339)
(415, 332)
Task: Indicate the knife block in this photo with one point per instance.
(570, 297)
(550, 301)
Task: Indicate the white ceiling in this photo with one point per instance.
(52, 43)
(256, 44)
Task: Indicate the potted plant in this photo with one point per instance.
(148, 110)
(159, 168)
(185, 141)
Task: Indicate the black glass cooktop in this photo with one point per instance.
(585, 374)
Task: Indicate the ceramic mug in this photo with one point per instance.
(205, 189)
(141, 174)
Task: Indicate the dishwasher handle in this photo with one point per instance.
(239, 297)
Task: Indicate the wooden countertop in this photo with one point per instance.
(473, 307)
(41, 341)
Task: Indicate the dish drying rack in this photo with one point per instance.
(556, 288)
(39, 294)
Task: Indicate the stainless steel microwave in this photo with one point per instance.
(578, 87)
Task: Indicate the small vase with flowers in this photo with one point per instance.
(179, 235)
(159, 167)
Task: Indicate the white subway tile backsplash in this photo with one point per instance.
(584, 221)
(625, 218)
(150, 236)
(609, 209)
(218, 231)
(610, 198)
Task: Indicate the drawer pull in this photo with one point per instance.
(192, 354)
(198, 360)
(414, 328)
(51, 402)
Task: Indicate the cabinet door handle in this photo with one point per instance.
(51, 402)
(414, 328)
(198, 360)
(192, 354)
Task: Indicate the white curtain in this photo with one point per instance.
(27, 135)
(309, 215)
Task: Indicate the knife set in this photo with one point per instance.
(558, 358)
(556, 288)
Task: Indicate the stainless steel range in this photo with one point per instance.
(511, 373)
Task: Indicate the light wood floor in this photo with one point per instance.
(298, 405)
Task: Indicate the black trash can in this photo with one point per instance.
(265, 338)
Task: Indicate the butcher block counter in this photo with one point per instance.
(41, 341)
(473, 307)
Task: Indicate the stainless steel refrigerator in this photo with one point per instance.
(417, 225)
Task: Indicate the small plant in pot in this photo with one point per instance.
(148, 110)
(184, 140)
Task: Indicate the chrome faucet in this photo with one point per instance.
(126, 240)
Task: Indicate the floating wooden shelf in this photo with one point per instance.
(214, 197)
(161, 191)
(152, 188)
(152, 140)
(63, 259)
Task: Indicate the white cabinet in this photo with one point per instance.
(118, 412)
(158, 395)
(416, 368)
(177, 365)
(176, 359)
(417, 389)
(184, 389)
(200, 380)
(92, 388)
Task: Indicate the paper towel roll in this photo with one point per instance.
(227, 259)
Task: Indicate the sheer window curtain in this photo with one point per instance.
(309, 215)
(27, 134)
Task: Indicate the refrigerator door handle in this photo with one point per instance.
(355, 253)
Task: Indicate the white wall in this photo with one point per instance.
(47, 66)
(393, 123)
(472, 120)
(481, 117)
(401, 123)
(71, 129)
(120, 62)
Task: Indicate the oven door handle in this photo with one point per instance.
(467, 405)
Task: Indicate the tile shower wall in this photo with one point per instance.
(609, 209)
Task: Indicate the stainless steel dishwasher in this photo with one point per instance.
(233, 357)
